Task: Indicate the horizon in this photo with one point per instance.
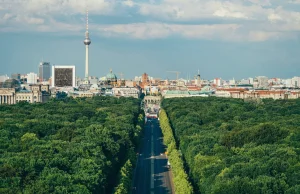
(222, 39)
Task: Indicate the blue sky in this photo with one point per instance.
(233, 38)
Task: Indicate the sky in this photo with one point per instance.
(226, 39)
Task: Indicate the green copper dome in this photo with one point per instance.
(111, 76)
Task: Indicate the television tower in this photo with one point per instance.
(87, 42)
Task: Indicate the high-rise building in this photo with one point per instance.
(87, 42)
(63, 76)
(32, 78)
(198, 79)
(44, 71)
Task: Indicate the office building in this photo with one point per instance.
(44, 71)
(63, 76)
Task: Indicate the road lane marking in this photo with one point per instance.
(152, 162)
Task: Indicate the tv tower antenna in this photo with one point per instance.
(87, 42)
(87, 17)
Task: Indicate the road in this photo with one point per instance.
(152, 176)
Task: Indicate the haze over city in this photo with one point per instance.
(221, 39)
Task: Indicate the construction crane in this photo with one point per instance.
(177, 74)
(121, 75)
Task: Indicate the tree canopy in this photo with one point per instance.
(233, 146)
(67, 146)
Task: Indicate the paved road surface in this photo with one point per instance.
(152, 175)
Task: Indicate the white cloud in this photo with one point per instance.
(227, 32)
(7, 16)
(28, 19)
(248, 20)
(197, 9)
(274, 17)
(294, 1)
(261, 2)
(60, 7)
(137, 30)
(225, 13)
(128, 3)
(259, 36)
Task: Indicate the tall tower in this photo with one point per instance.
(87, 42)
(198, 79)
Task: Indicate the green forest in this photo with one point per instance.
(232, 146)
(83, 145)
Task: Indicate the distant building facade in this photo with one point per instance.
(12, 93)
(126, 92)
(44, 71)
(31, 78)
(63, 76)
(3, 78)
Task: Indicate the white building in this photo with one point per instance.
(129, 83)
(295, 82)
(126, 92)
(138, 78)
(262, 82)
(245, 81)
(37, 93)
(218, 81)
(31, 78)
(251, 80)
(232, 82)
(287, 83)
(3, 78)
(224, 94)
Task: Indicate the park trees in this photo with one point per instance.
(67, 146)
(233, 146)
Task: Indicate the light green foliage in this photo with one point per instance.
(181, 183)
(68, 146)
(124, 186)
(236, 146)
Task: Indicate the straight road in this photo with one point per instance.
(152, 176)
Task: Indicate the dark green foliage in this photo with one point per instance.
(232, 146)
(67, 146)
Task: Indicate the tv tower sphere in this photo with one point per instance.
(87, 40)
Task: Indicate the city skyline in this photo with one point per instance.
(224, 39)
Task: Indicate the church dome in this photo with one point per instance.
(11, 83)
(111, 76)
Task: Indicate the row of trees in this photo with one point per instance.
(232, 146)
(181, 183)
(126, 173)
(67, 146)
